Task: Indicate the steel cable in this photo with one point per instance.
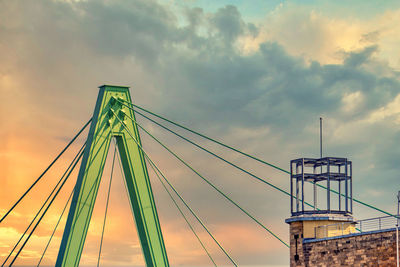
(55, 228)
(40, 177)
(105, 212)
(221, 158)
(45, 211)
(44, 204)
(241, 152)
(183, 215)
(176, 192)
(211, 184)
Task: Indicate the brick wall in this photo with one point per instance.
(373, 249)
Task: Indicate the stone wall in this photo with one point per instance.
(296, 244)
(365, 249)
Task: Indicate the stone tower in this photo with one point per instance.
(321, 196)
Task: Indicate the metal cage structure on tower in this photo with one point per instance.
(331, 173)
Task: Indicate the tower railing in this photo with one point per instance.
(361, 226)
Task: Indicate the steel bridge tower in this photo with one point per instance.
(109, 122)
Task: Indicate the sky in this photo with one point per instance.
(256, 74)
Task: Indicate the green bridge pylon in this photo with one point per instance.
(104, 127)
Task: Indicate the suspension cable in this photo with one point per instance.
(45, 211)
(176, 204)
(190, 209)
(211, 184)
(198, 238)
(236, 150)
(40, 177)
(108, 199)
(79, 212)
(224, 160)
(206, 137)
(183, 215)
(55, 228)
(173, 188)
(44, 204)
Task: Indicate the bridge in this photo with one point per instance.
(114, 122)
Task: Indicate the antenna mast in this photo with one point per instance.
(320, 137)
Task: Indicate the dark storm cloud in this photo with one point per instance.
(270, 87)
(127, 28)
(199, 74)
(228, 22)
(202, 71)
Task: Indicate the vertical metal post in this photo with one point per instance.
(351, 187)
(397, 228)
(297, 188)
(320, 137)
(291, 187)
(328, 191)
(315, 190)
(302, 186)
(346, 188)
(340, 189)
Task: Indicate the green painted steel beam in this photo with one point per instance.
(104, 127)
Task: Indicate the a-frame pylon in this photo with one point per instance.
(104, 126)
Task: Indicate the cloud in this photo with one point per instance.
(318, 34)
(259, 87)
(391, 110)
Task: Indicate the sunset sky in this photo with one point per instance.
(255, 74)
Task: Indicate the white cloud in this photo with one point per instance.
(352, 101)
(390, 111)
